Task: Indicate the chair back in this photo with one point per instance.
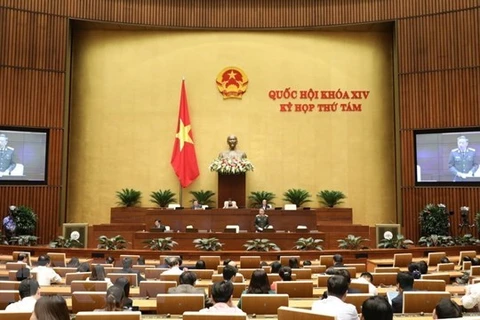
(445, 267)
(238, 289)
(295, 289)
(351, 270)
(357, 300)
(359, 267)
(470, 253)
(250, 261)
(203, 274)
(152, 288)
(466, 265)
(326, 260)
(141, 267)
(322, 280)
(162, 257)
(445, 276)
(211, 262)
(57, 259)
(192, 315)
(26, 253)
(402, 260)
(81, 285)
(302, 273)
(359, 286)
(263, 303)
(219, 277)
(247, 273)
(284, 259)
(154, 273)
(62, 271)
(9, 285)
(434, 258)
(179, 303)
(317, 268)
(15, 265)
(422, 301)
(170, 277)
(14, 315)
(70, 276)
(272, 277)
(475, 271)
(110, 315)
(132, 277)
(7, 297)
(88, 301)
(429, 285)
(385, 278)
(386, 269)
(287, 313)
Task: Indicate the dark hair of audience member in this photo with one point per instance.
(444, 260)
(21, 257)
(124, 284)
(43, 260)
(377, 308)
(414, 270)
(475, 261)
(73, 263)
(367, 275)
(226, 261)
(83, 267)
(344, 273)
(98, 273)
(141, 261)
(115, 299)
(446, 308)
(23, 273)
(229, 272)
(337, 286)
(259, 282)
(337, 258)
(188, 277)
(285, 273)
(110, 260)
(307, 263)
(51, 308)
(467, 258)
(127, 263)
(275, 265)
(222, 291)
(28, 287)
(423, 267)
(405, 280)
(200, 264)
(293, 263)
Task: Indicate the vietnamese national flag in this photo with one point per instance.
(184, 159)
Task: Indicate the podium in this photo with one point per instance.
(231, 186)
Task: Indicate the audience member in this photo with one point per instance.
(222, 293)
(285, 274)
(173, 266)
(307, 263)
(404, 283)
(124, 284)
(187, 285)
(22, 258)
(127, 268)
(475, 261)
(444, 260)
(472, 296)
(275, 265)
(293, 263)
(115, 299)
(259, 284)
(23, 273)
(414, 270)
(423, 267)
(83, 267)
(50, 308)
(446, 309)
(45, 274)
(338, 261)
(376, 308)
(98, 274)
(229, 272)
(29, 291)
(366, 277)
(346, 274)
(200, 264)
(141, 261)
(232, 263)
(73, 263)
(110, 260)
(334, 304)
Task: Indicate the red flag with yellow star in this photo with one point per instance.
(184, 159)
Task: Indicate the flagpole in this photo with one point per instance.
(180, 195)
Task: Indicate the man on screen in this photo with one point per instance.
(462, 161)
(6, 157)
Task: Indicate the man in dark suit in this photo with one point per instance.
(338, 261)
(265, 206)
(127, 268)
(159, 225)
(404, 283)
(187, 285)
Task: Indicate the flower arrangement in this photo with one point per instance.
(434, 220)
(231, 165)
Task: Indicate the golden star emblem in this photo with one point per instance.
(183, 134)
(232, 74)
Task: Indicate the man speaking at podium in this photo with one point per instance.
(462, 161)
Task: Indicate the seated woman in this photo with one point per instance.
(114, 300)
(51, 307)
(285, 274)
(259, 284)
(98, 274)
(124, 284)
(83, 267)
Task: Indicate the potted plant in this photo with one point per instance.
(352, 242)
(163, 198)
(256, 198)
(260, 245)
(308, 244)
(398, 242)
(113, 243)
(24, 240)
(203, 197)
(128, 197)
(331, 198)
(25, 221)
(63, 242)
(435, 240)
(297, 196)
(208, 244)
(161, 244)
(466, 240)
(433, 220)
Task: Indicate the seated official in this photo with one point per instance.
(265, 205)
(196, 205)
(158, 225)
(230, 204)
(261, 221)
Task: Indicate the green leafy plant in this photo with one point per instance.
(204, 197)
(208, 244)
(435, 240)
(398, 242)
(466, 240)
(128, 197)
(62, 242)
(24, 240)
(114, 243)
(331, 198)
(433, 220)
(297, 196)
(477, 221)
(260, 245)
(352, 242)
(25, 220)
(162, 198)
(256, 198)
(162, 244)
(308, 244)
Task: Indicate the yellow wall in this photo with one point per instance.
(125, 98)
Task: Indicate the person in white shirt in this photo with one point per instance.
(222, 293)
(29, 294)
(334, 304)
(45, 274)
(174, 266)
(472, 296)
(367, 277)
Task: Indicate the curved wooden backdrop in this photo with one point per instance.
(438, 50)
